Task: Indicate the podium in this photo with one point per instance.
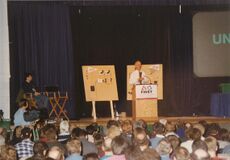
(144, 101)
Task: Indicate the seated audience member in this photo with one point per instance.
(64, 134)
(199, 144)
(192, 134)
(151, 154)
(2, 140)
(55, 153)
(19, 114)
(140, 123)
(204, 124)
(25, 147)
(212, 146)
(40, 149)
(112, 132)
(223, 138)
(200, 154)
(140, 138)
(50, 136)
(119, 145)
(98, 141)
(111, 123)
(5, 134)
(91, 130)
(134, 153)
(170, 129)
(73, 147)
(226, 150)
(91, 156)
(8, 153)
(164, 149)
(87, 147)
(201, 128)
(180, 153)
(16, 137)
(180, 130)
(158, 134)
(174, 141)
(212, 130)
(106, 147)
(37, 130)
(127, 129)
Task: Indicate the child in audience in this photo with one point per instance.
(19, 114)
(119, 145)
(74, 149)
(64, 133)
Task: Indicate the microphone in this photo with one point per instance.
(140, 75)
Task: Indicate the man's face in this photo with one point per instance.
(29, 78)
(18, 132)
(137, 65)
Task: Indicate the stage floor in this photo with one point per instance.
(102, 121)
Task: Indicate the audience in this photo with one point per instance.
(119, 145)
(199, 144)
(192, 134)
(140, 139)
(50, 135)
(157, 134)
(8, 153)
(151, 154)
(25, 147)
(200, 154)
(164, 149)
(87, 147)
(223, 138)
(19, 119)
(40, 149)
(73, 147)
(119, 140)
(2, 140)
(91, 156)
(55, 153)
(180, 153)
(64, 133)
(16, 135)
(212, 146)
(174, 141)
(170, 129)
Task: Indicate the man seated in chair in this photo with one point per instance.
(41, 100)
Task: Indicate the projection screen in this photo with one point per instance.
(211, 44)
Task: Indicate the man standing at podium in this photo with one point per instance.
(138, 76)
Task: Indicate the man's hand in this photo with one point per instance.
(141, 79)
(37, 93)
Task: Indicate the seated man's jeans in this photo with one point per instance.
(42, 101)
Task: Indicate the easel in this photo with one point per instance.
(100, 86)
(94, 109)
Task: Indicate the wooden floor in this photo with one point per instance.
(102, 121)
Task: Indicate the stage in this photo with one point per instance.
(223, 121)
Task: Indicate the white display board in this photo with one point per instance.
(4, 61)
(146, 91)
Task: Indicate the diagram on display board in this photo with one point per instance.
(100, 83)
(154, 74)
